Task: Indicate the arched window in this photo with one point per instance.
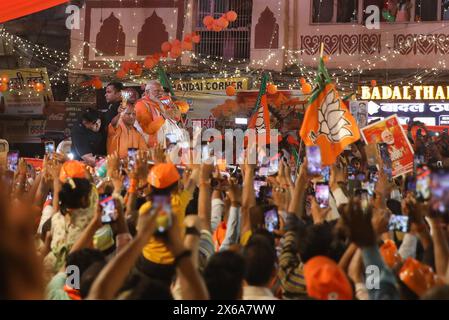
(110, 40)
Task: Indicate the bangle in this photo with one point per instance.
(193, 231)
(182, 255)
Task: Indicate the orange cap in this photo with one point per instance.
(418, 277)
(389, 252)
(163, 175)
(72, 169)
(325, 280)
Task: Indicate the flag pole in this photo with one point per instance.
(322, 50)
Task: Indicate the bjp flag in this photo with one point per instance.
(13, 9)
(327, 121)
(260, 120)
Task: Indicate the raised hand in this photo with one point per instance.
(358, 224)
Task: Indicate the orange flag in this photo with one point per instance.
(261, 119)
(328, 122)
(13, 9)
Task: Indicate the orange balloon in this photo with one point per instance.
(188, 46)
(302, 81)
(272, 89)
(230, 91)
(188, 38)
(210, 27)
(208, 20)
(126, 66)
(182, 106)
(196, 38)
(3, 87)
(231, 16)
(121, 74)
(38, 87)
(176, 51)
(222, 22)
(306, 88)
(373, 83)
(175, 43)
(325, 58)
(216, 28)
(138, 71)
(149, 62)
(166, 46)
(97, 84)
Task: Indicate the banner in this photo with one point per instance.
(211, 84)
(430, 113)
(62, 115)
(390, 131)
(29, 91)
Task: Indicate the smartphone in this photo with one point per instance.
(13, 160)
(410, 184)
(164, 218)
(132, 153)
(351, 172)
(271, 219)
(364, 200)
(257, 185)
(440, 192)
(423, 184)
(326, 173)
(386, 159)
(322, 194)
(108, 209)
(398, 223)
(171, 137)
(49, 147)
(418, 161)
(313, 154)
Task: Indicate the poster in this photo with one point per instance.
(359, 109)
(29, 91)
(390, 131)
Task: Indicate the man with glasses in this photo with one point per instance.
(88, 140)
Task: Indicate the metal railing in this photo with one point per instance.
(233, 42)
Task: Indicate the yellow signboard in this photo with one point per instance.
(28, 91)
(211, 84)
(405, 93)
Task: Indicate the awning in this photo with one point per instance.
(13, 9)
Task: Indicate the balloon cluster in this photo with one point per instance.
(221, 23)
(175, 48)
(129, 67)
(4, 83)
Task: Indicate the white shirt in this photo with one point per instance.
(257, 293)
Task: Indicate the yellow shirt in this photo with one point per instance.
(156, 251)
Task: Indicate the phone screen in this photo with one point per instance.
(322, 194)
(398, 223)
(351, 172)
(271, 220)
(13, 160)
(313, 154)
(326, 173)
(108, 209)
(440, 192)
(132, 152)
(49, 147)
(164, 216)
(257, 185)
(386, 159)
(423, 184)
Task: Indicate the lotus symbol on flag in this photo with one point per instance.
(331, 119)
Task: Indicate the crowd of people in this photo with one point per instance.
(136, 226)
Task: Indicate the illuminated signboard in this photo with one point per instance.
(430, 113)
(422, 92)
